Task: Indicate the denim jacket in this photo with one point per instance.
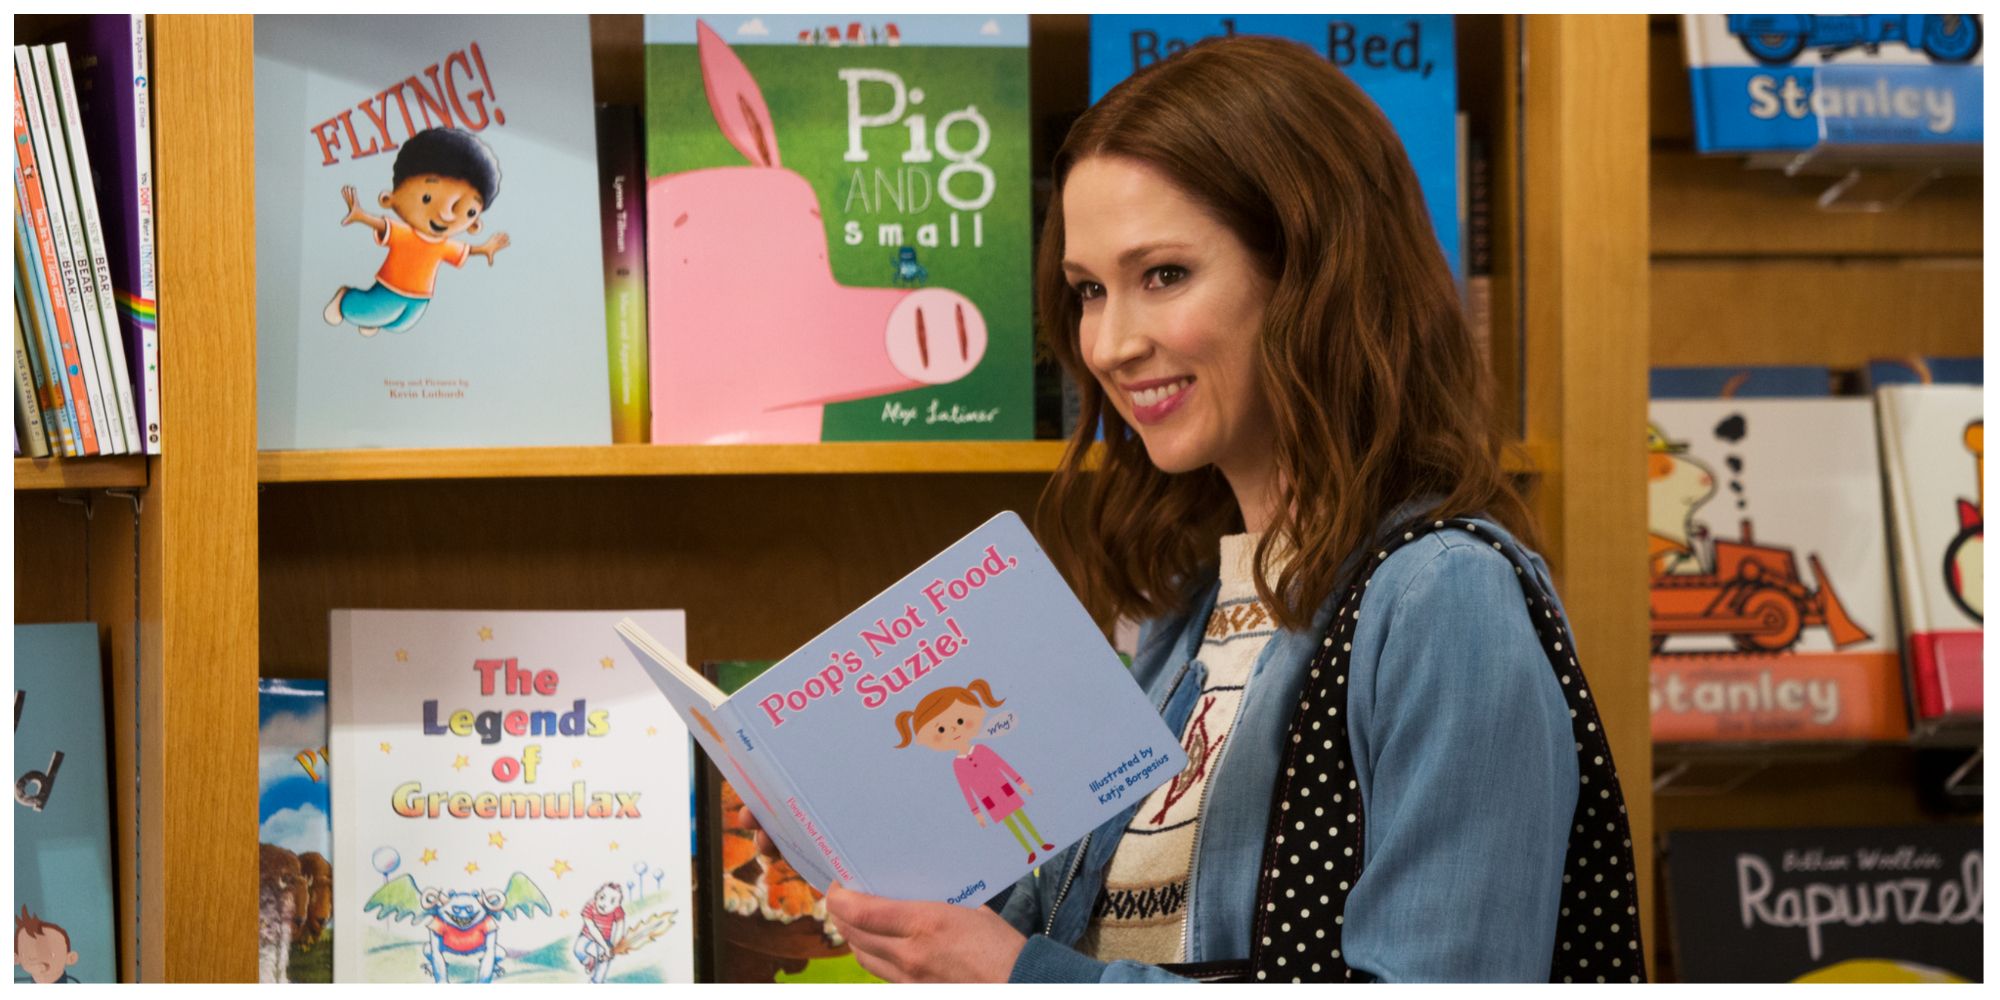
(1462, 749)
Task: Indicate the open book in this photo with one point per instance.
(942, 740)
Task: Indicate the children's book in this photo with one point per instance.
(31, 304)
(294, 834)
(1407, 63)
(838, 215)
(1854, 905)
(1934, 452)
(27, 399)
(1776, 82)
(1746, 382)
(761, 921)
(429, 270)
(65, 927)
(983, 723)
(513, 799)
(621, 158)
(1769, 570)
(113, 82)
(42, 203)
(1918, 370)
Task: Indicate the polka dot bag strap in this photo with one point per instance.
(1313, 848)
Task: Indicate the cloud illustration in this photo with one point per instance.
(297, 830)
(752, 27)
(990, 28)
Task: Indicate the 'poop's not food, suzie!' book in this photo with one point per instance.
(944, 739)
(512, 800)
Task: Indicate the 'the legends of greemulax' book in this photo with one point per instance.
(513, 800)
(428, 233)
(982, 723)
(837, 228)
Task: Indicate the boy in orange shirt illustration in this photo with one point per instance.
(443, 179)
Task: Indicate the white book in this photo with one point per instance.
(102, 421)
(87, 302)
(93, 235)
(83, 321)
(142, 154)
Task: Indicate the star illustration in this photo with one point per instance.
(384, 746)
(485, 634)
(560, 867)
(496, 839)
(429, 856)
(471, 867)
(458, 763)
(562, 913)
(614, 845)
(402, 656)
(576, 763)
(652, 731)
(608, 663)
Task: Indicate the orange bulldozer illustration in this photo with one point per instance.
(1755, 595)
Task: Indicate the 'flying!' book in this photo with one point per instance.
(982, 720)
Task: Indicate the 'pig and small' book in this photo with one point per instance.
(942, 740)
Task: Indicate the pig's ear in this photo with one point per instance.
(734, 99)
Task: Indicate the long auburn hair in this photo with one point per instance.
(1379, 393)
(933, 705)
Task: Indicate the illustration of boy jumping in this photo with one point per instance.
(947, 719)
(442, 181)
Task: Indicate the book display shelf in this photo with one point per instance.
(211, 563)
(1748, 268)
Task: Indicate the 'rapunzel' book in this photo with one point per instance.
(294, 834)
(428, 265)
(1934, 451)
(982, 723)
(513, 800)
(1769, 572)
(837, 228)
(63, 902)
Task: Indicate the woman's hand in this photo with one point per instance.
(924, 942)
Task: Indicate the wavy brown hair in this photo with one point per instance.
(1379, 394)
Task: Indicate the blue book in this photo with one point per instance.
(1926, 371)
(294, 834)
(1406, 62)
(63, 904)
(1723, 382)
(982, 723)
(1778, 82)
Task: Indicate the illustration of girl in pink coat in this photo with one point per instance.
(947, 719)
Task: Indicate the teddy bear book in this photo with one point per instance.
(942, 740)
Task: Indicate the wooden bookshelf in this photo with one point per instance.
(231, 559)
(117, 472)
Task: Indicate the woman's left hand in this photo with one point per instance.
(924, 942)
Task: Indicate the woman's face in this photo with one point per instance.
(1172, 303)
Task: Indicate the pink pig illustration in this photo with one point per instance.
(752, 337)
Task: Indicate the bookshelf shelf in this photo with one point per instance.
(853, 458)
(81, 474)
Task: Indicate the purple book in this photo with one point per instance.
(109, 62)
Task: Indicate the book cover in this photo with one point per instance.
(429, 272)
(113, 85)
(1859, 905)
(1770, 597)
(621, 163)
(1778, 82)
(1744, 382)
(43, 209)
(65, 927)
(513, 798)
(1934, 451)
(294, 834)
(838, 228)
(1407, 63)
(983, 721)
(762, 922)
(66, 221)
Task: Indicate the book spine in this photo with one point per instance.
(1479, 244)
(27, 148)
(141, 304)
(93, 341)
(1919, 664)
(780, 807)
(58, 416)
(622, 185)
(93, 235)
(27, 402)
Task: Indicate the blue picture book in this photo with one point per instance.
(294, 834)
(1745, 381)
(64, 931)
(1925, 371)
(1406, 62)
(429, 245)
(1780, 82)
(982, 723)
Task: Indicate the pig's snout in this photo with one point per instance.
(935, 336)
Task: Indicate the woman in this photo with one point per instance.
(1239, 270)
